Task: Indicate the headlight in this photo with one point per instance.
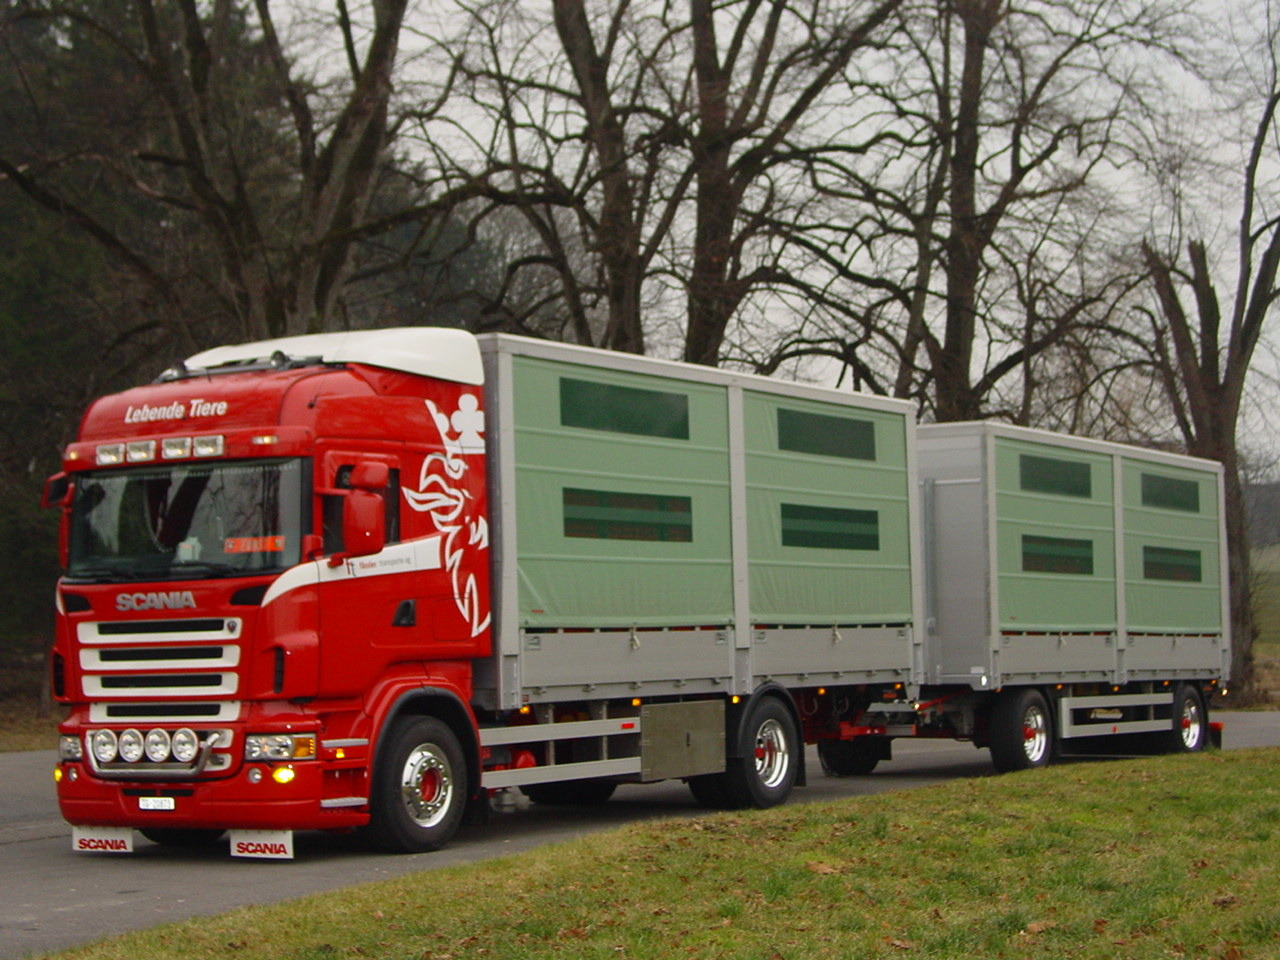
(104, 746)
(279, 746)
(157, 746)
(185, 745)
(70, 747)
(131, 747)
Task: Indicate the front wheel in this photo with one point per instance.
(1021, 730)
(1190, 730)
(419, 787)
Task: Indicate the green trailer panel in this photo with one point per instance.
(827, 502)
(622, 491)
(1055, 538)
(1173, 577)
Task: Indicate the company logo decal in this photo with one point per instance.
(173, 600)
(441, 494)
(178, 410)
(111, 845)
(251, 848)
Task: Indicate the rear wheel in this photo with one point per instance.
(572, 793)
(770, 762)
(419, 787)
(1021, 730)
(1190, 730)
(848, 758)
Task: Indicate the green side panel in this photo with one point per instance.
(1171, 525)
(1055, 551)
(642, 536)
(828, 532)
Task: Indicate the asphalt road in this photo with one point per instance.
(54, 899)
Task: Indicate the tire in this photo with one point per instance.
(189, 837)
(1021, 731)
(572, 793)
(419, 787)
(848, 758)
(711, 790)
(770, 757)
(1190, 733)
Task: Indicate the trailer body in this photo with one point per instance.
(372, 580)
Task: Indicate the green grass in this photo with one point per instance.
(1172, 857)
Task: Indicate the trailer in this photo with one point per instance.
(372, 580)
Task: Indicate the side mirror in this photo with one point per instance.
(364, 520)
(57, 491)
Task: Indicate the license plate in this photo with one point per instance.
(156, 803)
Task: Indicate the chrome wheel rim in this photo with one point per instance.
(773, 754)
(426, 785)
(1035, 734)
(1192, 725)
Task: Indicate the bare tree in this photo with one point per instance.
(1205, 333)
(278, 169)
(672, 144)
(982, 186)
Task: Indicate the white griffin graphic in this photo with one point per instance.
(439, 493)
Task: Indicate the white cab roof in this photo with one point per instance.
(429, 351)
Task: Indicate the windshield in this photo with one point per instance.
(188, 521)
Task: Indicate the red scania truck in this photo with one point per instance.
(364, 580)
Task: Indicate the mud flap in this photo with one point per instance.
(262, 844)
(102, 839)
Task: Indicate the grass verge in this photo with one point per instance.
(1159, 858)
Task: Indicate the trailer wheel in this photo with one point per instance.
(182, 836)
(419, 787)
(848, 758)
(767, 769)
(1190, 721)
(1021, 731)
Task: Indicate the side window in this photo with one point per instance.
(331, 509)
(830, 528)
(1065, 478)
(617, 409)
(609, 515)
(825, 435)
(1167, 563)
(1057, 555)
(1169, 493)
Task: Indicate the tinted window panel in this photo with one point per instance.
(1056, 555)
(1068, 478)
(1165, 563)
(829, 528)
(606, 515)
(1170, 494)
(826, 436)
(605, 406)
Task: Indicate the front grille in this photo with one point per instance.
(194, 657)
(225, 711)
